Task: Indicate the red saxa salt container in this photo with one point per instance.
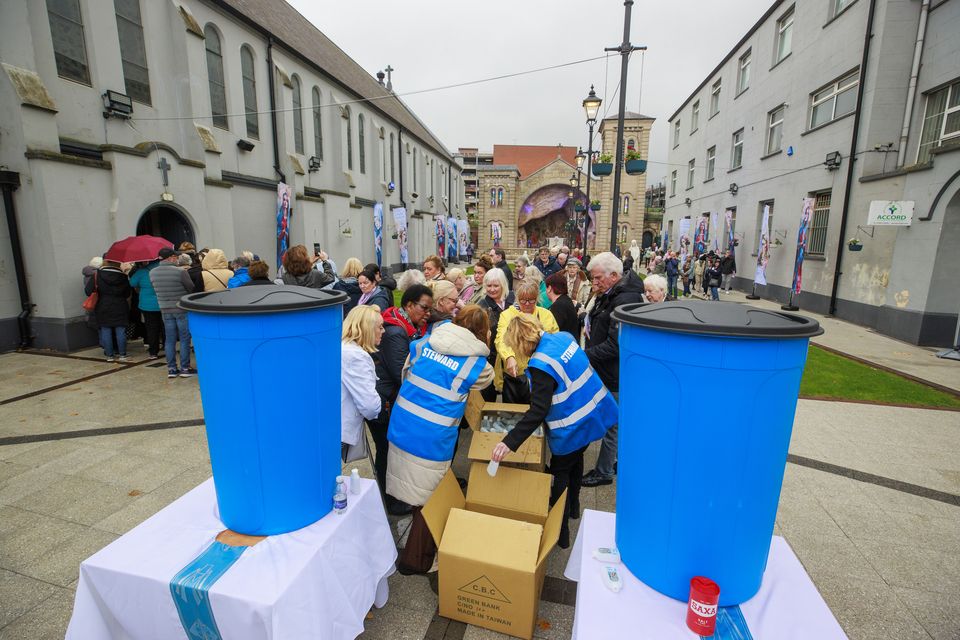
(702, 606)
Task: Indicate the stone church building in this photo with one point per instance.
(525, 197)
(179, 118)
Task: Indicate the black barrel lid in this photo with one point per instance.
(718, 318)
(264, 298)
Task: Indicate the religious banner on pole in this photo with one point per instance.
(452, 240)
(728, 214)
(378, 232)
(463, 228)
(440, 229)
(496, 233)
(666, 240)
(715, 231)
(684, 233)
(284, 194)
(802, 233)
(400, 218)
(700, 236)
(763, 251)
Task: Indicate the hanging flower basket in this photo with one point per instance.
(602, 168)
(636, 167)
(854, 246)
(595, 206)
(579, 208)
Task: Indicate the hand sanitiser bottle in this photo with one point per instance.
(355, 481)
(340, 497)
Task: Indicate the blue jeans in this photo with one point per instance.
(672, 285)
(714, 294)
(608, 449)
(174, 325)
(106, 340)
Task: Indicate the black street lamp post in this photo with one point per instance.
(591, 106)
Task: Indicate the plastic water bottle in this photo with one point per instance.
(354, 482)
(340, 497)
(492, 468)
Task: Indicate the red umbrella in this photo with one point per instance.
(136, 249)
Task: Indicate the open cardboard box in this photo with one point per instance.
(531, 454)
(492, 550)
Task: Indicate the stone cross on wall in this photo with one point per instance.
(164, 167)
(389, 71)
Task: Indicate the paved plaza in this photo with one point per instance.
(870, 501)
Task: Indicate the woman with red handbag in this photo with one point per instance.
(112, 309)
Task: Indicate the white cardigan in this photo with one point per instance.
(358, 392)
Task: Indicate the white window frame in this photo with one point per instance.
(736, 162)
(839, 6)
(695, 116)
(715, 98)
(953, 89)
(843, 84)
(819, 223)
(691, 172)
(775, 125)
(711, 162)
(743, 72)
(676, 134)
(784, 26)
(673, 183)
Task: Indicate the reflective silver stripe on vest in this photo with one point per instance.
(463, 373)
(435, 389)
(426, 414)
(580, 413)
(556, 366)
(574, 387)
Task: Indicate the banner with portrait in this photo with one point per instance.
(805, 217)
(731, 240)
(284, 197)
(463, 229)
(378, 232)
(400, 219)
(440, 231)
(715, 231)
(496, 233)
(700, 236)
(683, 233)
(452, 240)
(763, 251)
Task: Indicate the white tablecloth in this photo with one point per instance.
(787, 607)
(316, 582)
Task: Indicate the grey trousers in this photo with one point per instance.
(727, 281)
(608, 449)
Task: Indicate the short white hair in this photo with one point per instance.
(533, 275)
(453, 274)
(607, 263)
(409, 278)
(657, 281)
(524, 260)
(497, 275)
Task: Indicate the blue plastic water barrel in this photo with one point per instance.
(268, 359)
(708, 392)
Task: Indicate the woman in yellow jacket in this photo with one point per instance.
(507, 360)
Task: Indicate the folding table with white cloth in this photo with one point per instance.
(787, 607)
(317, 582)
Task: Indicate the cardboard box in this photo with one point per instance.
(532, 453)
(492, 566)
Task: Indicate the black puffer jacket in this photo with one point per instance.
(603, 343)
(113, 289)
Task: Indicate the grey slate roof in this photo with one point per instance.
(630, 115)
(295, 33)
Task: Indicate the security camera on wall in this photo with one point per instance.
(414, 195)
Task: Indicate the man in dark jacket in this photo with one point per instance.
(546, 263)
(499, 259)
(728, 269)
(672, 267)
(603, 347)
(561, 306)
(172, 283)
(401, 325)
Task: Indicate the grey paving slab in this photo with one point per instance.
(24, 484)
(412, 592)
(61, 564)
(9, 470)
(903, 563)
(396, 622)
(77, 499)
(46, 621)
(29, 535)
(828, 555)
(19, 594)
(869, 610)
(27, 373)
(939, 616)
(134, 472)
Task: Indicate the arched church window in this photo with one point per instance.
(249, 91)
(493, 197)
(626, 205)
(360, 140)
(500, 197)
(297, 115)
(215, 77)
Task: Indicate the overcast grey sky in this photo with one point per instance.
(432, 43)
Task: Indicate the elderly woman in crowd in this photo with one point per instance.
(348, 283)
(359, 400)
(445, 302)
(496, 299)
(578, 284)
(655, 288)
(409, 278)
(372, 293)
(464, 284)
(424, 424)
(536, 278)
(433, 268)
(520, 270)
(216, 270)
(512, 365)
(584, 409)
(480, 269)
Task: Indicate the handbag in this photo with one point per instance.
(516, 389)
(354, 452)
(91, 302)
(714, 282)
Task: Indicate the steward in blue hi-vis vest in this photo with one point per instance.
(582, 409)
(426, 416)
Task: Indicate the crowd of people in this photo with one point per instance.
(703, 275)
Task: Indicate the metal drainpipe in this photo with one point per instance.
(10, 182)
(912, 89)
(851, 158)
(271, 71)
(400, 186)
